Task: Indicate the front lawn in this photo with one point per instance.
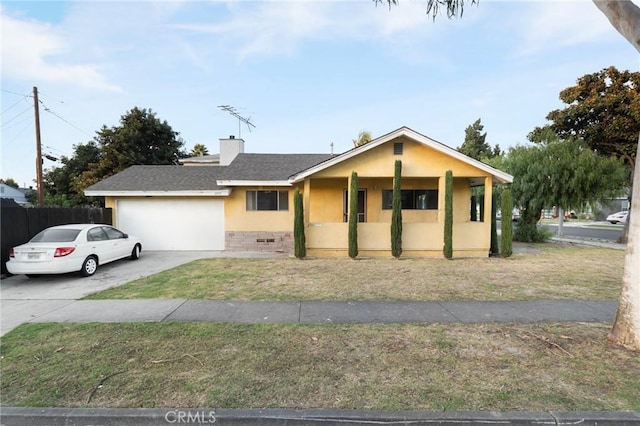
(542, 271)
(539, 367)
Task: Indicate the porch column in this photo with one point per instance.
(306, 196)
(488, 192)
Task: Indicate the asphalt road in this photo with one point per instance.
(608, 232)
(611, 233)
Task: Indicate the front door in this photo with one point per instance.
(362, 205)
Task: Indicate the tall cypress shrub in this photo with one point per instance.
(448, 215)
(494, 228)
(300, 249)
(506, 248)
(353, 216)
(396, 213)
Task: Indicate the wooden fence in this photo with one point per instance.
(20, 224)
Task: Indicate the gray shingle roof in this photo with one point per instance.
(265, 167)
(162, 178)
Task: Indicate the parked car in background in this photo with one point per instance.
(72, 248)
(620, 217)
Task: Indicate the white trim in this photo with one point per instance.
(498, 175)
(254, 183)
(212, 193)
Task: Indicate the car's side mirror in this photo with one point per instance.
(125, 235)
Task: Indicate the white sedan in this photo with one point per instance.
(620, 217)
(72, 248)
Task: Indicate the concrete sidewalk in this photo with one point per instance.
(329, 312)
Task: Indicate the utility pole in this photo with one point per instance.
(36, 108)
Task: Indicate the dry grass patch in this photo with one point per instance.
(543, 271)
(393, 367)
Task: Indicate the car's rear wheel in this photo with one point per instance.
(135, 253)
(89, 266)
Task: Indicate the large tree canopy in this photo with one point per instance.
(141, 138)
(475, 145)
(60, 182)
(603, 109)
(561, 173)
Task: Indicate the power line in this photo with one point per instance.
(17, 123)
(13, 93)
(28, 126)
(17, 102)
(9, 121)
(63, 119)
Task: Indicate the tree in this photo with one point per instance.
(448, 215)
(353, 216)
(363, 137)
(604, 110)
(475, 145)
(396, 213)
(60, 182)
(561, 173)
(141, 138)
(10, 182)
(300, 249)
(506, 208)
(494, 227)
(624, 16)
(199, 150)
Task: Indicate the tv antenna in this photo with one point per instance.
(246, 120)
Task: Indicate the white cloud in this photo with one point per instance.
(35, 51)
(548, 25)
(279, 27)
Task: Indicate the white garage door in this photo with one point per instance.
(174, 224)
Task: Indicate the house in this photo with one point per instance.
(19, 195)
(245, 201)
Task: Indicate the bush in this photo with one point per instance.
(396, 214)
(353, 216)
(495, 249)
(448, 215)
(300, 249)
(506, 249)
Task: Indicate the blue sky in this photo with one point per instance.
(307, 73)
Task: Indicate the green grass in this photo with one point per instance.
(392, 367)
(541, 271)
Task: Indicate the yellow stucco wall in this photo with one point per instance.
(237, 218)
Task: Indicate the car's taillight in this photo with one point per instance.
(11, 253)
(63, 251)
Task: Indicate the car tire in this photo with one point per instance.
(89, 266)
(135, 253)
(613, 222)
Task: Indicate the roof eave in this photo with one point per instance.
(254, 183)
(188, 193)
(498, 175)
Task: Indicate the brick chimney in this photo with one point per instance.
(229, 149)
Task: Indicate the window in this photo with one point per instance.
(412, 199)
(97, 234)
(113, 233)
(267, 200)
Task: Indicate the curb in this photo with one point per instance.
(16, 416)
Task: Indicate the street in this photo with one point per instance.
(607, 232)
(591, 230)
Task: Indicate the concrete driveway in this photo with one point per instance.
(23, 299)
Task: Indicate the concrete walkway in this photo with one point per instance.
(329, 312)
